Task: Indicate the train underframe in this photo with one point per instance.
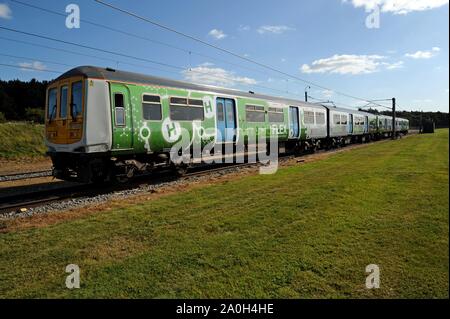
(104, 167)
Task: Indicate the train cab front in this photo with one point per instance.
(64, 125)
(77, 125)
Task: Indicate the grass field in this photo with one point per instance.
(18, 140)
(307, 232)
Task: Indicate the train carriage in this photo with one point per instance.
(102, 123)
(95, 116)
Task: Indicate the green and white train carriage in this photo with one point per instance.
(129, 121)
(102, 122)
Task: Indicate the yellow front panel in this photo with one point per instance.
(64, 111)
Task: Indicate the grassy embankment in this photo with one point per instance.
(306, 232)
(21, 140)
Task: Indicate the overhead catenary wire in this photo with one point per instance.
(125, 55)
(29, 68)
(82, 54)
(34, 59)
(106, 27)
(242, 57)
(190, 52)
(87, 47)
(179, 48)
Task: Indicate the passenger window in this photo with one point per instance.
(119, 108)
(336, 119)
(186, 113)
(181, 111)
(320, 118)
(118, 100)
(51, 106)
(63, 102)
(220, 116)
(276, 115)
(309, 117)
(151, 107)
(255, 114)
(193, 102)
(77, 99)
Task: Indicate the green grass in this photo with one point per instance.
(307, 232)
(18, 140)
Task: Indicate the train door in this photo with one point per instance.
(350, 124)
(226, 120)
(61, 119)
(294, 127)
(122, 121)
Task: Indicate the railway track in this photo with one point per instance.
(24, 201)
(25, 175)
(21, 202)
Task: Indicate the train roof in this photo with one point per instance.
(109, 74)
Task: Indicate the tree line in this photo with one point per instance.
(22, 101)
(25, 101)
(415, 118)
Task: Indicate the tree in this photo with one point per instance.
(34, 115)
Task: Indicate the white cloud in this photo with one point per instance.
(217, 34)
(398, 6)
(345, 64)
(5, 11)
(274, 29)
(394, 66)
(327, 93)
(26, 66)
(244, 28)
(206, 73)
(424, 54)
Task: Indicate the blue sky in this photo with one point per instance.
(323, 41)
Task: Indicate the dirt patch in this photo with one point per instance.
(24, 165)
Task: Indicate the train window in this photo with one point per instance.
(193, 102)
(151, 107)
(76, 101)
(343, 119)
(151, 98)
(178, 100)
(151, 112)
(309, 117)
(118, 100)
(255, 113)
(336, 119)
(51, 108)
(119, 109)
(186, 113)
(320, 118)
(276, 115)
(220, 116)
(63, 102)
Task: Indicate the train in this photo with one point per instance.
(103, 124)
